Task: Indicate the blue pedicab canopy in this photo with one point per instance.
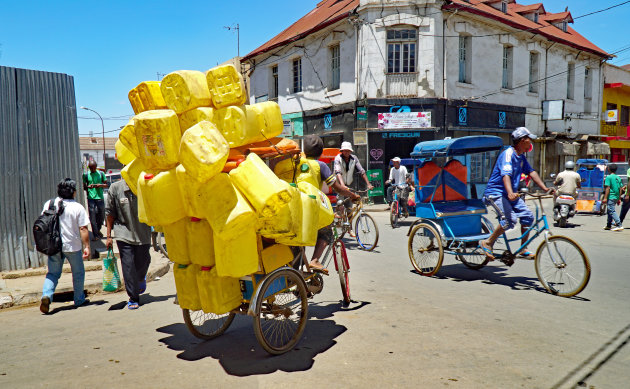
(457, 146)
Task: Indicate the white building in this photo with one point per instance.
(91, 148)
(470, 67)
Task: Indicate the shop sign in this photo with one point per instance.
(611, 115)
(397, 120)
(462, 115)
(327, 121)
(287, 131)
(394, 135)
(375, 177)
(502, 119)
(361, 113)
(360, 137)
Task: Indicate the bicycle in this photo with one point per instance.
(365, 229)
(158, 242)
(395, 212)
(555, 256)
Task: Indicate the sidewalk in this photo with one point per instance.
(23, 287)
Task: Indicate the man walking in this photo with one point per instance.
(93, 182)
(73, 228)
(612, 193)
(132, 237)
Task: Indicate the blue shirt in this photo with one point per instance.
(508, 164)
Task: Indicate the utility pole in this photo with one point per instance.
(238, 38)
(160, 76)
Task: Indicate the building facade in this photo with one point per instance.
(615, 123)
(91, 149)
(386, 75)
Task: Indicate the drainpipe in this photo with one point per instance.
(444, 76)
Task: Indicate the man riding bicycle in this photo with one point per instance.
(502, 191)
(344, 165)
(313, 148)
(398, 176)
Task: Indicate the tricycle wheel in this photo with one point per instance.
(474, 258)
(207, 325)
(425, 249)
(281, 318)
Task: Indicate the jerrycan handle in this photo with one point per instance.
(195, 219)
(148, 176)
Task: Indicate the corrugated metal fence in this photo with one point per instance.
(39, 146)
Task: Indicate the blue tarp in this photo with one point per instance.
(592, 177)
(457, 146)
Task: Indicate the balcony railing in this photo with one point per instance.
(614, 129)
(402, 84)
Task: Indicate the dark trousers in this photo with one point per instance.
(97, 215)
(135, 260)
(625, 206)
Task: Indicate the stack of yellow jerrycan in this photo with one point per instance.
(179, 150)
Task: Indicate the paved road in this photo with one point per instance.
(467, 329)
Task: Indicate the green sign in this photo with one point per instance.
(361, 113)
(375, 177)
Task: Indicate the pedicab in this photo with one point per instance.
(451, 222)
(590, 195)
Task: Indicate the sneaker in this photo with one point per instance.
(607, 228)
(44, 307)
(618, 228)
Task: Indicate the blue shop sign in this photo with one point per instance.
(394, 135)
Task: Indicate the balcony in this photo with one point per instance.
(614, 129)
(402, 84)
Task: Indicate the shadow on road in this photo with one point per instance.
(144, 299)
(239, 353)
(72, 307)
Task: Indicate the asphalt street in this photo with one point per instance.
(491, 328)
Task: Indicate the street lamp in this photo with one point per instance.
(103, 127)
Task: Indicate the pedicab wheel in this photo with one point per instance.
(207, 325)
(571, 272)
(425, 249)
(343, 268)
(366, 231)
(393, 215)
(474, 258)
(281, 318)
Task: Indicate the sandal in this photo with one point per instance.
(487, 251)
(132, 305)
(318, 268)
(526, 254)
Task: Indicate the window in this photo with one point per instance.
(535, 17)
(624, 116)
(570, 81)
(274, 82)
(533, 72)
(506, 81)
(504, 7)
(297, 75)
(564, 26)
(465, 59)
(335, 67)
(588, 89)
(401, 51)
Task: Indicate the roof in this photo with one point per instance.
(457, 146)
(96, 143)
(523, 9)
(544, 27)
(627, 67)
(326, 12)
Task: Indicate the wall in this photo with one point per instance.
(39, 146)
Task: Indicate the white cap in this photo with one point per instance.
(346, 146)
(395, 159)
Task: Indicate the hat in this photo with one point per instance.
(395, 159)
(346, 146)
(522, 132)
(313, 146)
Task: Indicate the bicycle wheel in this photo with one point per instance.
(343, 268)
(207, 325)
(366, 231)
(474, 258)
(281, 318)
(425, 249)
(160, 242)
(393, 215)
(571, 273)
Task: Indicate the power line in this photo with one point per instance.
(109, 118)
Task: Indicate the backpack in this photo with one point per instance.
(46, 230)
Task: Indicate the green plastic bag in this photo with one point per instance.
(111, 277)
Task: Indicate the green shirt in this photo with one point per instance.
(614, 182)
(98, 177)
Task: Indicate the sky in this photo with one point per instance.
(109, 47)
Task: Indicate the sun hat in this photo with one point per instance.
(395, 159)
(346, 146)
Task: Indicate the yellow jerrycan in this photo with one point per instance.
(307, 235)
(186, 286)
(226, 86)
(158, 136)
(184, 90)
(200, 242)
(265, 192)
(218, 295)
(264, 120)
(224, 206)
(131, 173)
(194, 116)
(275, 256)
(159, 199)
(123, 155)
(287, 222)
(203, 151)
(238, 256)
(189, 189)
(176, 239)
(127, 137)
(146, 96)
(326, 214)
